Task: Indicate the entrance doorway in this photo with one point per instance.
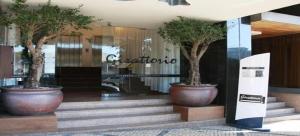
(135, 62)
(109, 62)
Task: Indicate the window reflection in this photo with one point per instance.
(49, 57)
(2, 35)
(68, 51)
(21, 64)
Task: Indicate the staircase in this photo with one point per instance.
(101, 115)
(120, 114)
(279, 111)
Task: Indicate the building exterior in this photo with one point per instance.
(124, 56)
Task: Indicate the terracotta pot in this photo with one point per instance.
(26, 102)
(193, 96)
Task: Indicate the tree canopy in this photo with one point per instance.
(4, 20)
(189, 30)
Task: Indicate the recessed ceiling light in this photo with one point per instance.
(176, 2)
(256, 32)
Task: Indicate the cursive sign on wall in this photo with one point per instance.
(112, 58)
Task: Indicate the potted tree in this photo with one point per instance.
(37, 26)
(194, 37)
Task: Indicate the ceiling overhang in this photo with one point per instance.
(272, 24)
(153, 13)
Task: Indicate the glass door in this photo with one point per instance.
(135, 61)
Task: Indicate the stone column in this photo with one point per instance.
(238, 47)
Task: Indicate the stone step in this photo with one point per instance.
(115, 127)
(155, 125)
(276, 105)
(282, 117)
(272, 99)
(280, 111)
(81, 113)
(112, 104)
(118, 120)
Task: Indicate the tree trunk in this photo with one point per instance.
(197, 52)
(194, 76)
(37, 65)
(35, 71)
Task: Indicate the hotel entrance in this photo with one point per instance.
(108, 63)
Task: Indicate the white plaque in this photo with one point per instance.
(253, 86)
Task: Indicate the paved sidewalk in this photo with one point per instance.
(221, 130)
(203, 131)
(283, 128)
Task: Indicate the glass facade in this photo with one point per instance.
(20, 65)
(3, 36)
(49, 57)
(136, 60)
(3, 42)
(132, 60)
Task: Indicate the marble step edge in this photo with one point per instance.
(283, 117)
(280, 111)
(274, 105)
(156, 125)
(114, 112)
(118, 120)
(112, 103)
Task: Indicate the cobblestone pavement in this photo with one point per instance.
(197, 131)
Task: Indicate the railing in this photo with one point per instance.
(140, 75)
(141, 83)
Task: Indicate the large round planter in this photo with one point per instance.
(193, 96)
(28, 102)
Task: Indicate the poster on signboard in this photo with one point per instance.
(253, 87)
